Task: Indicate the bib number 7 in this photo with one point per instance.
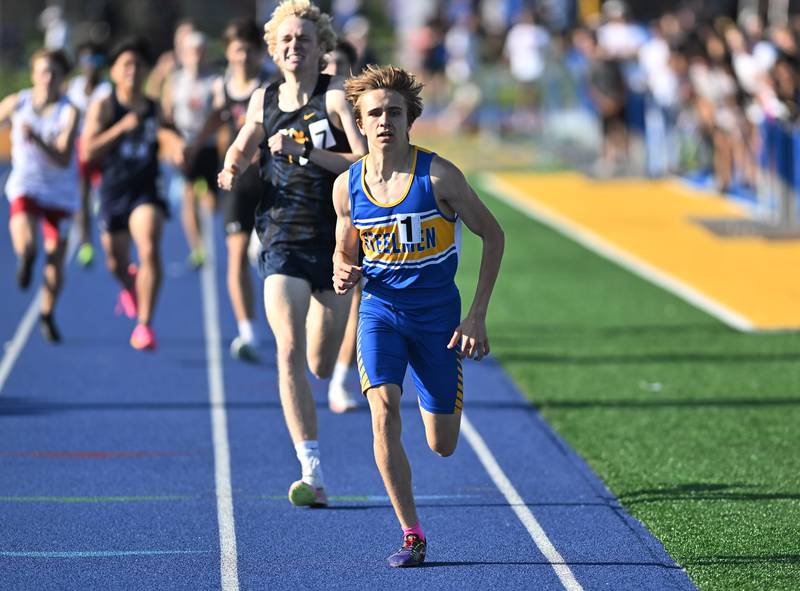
(321, 137)
(321, 134)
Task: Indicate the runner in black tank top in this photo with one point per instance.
(297, 124)
(301, 215)
(129, 168)
(124, 133)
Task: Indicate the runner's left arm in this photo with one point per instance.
(455, 197)
(166, 102)
(60, 149)
(154, 85)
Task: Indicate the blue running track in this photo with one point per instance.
(114, 468)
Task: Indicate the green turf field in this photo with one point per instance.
(695, 427)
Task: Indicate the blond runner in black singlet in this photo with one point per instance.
(297, 118)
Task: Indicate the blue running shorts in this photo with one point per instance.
(391, 337)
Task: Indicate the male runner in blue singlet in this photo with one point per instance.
(311, 136)
(405, 204)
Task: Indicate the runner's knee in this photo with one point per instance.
(148, 253)
(443, 447)
(291, 356)
(442, 438)
(385, 421)
(322, 366)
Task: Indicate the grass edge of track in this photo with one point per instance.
(644, 429)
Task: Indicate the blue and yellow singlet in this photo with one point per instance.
(410, 246)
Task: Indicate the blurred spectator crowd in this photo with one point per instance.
(695, 92)
(709, 96)
(706, 94)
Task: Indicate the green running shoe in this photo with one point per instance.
(197, 258)
(86, 254)
(302, 494)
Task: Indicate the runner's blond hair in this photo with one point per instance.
(305, 10)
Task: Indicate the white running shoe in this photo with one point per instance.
(340, 399)
(244, 351)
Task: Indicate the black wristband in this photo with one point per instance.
(307, 147)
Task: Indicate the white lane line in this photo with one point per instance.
(219, 421)
(541, 213)
(519, 507)
(17, 343)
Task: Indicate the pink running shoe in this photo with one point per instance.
(143, 338)
(126, 304)
(126, 300)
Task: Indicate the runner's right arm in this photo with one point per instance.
(96, 140)
(60, 149)
(346, 274)
(7, 106)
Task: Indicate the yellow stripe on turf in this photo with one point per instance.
(753, 277)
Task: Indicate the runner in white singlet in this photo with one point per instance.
(43, 184)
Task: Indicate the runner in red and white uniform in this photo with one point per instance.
(43, 184)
